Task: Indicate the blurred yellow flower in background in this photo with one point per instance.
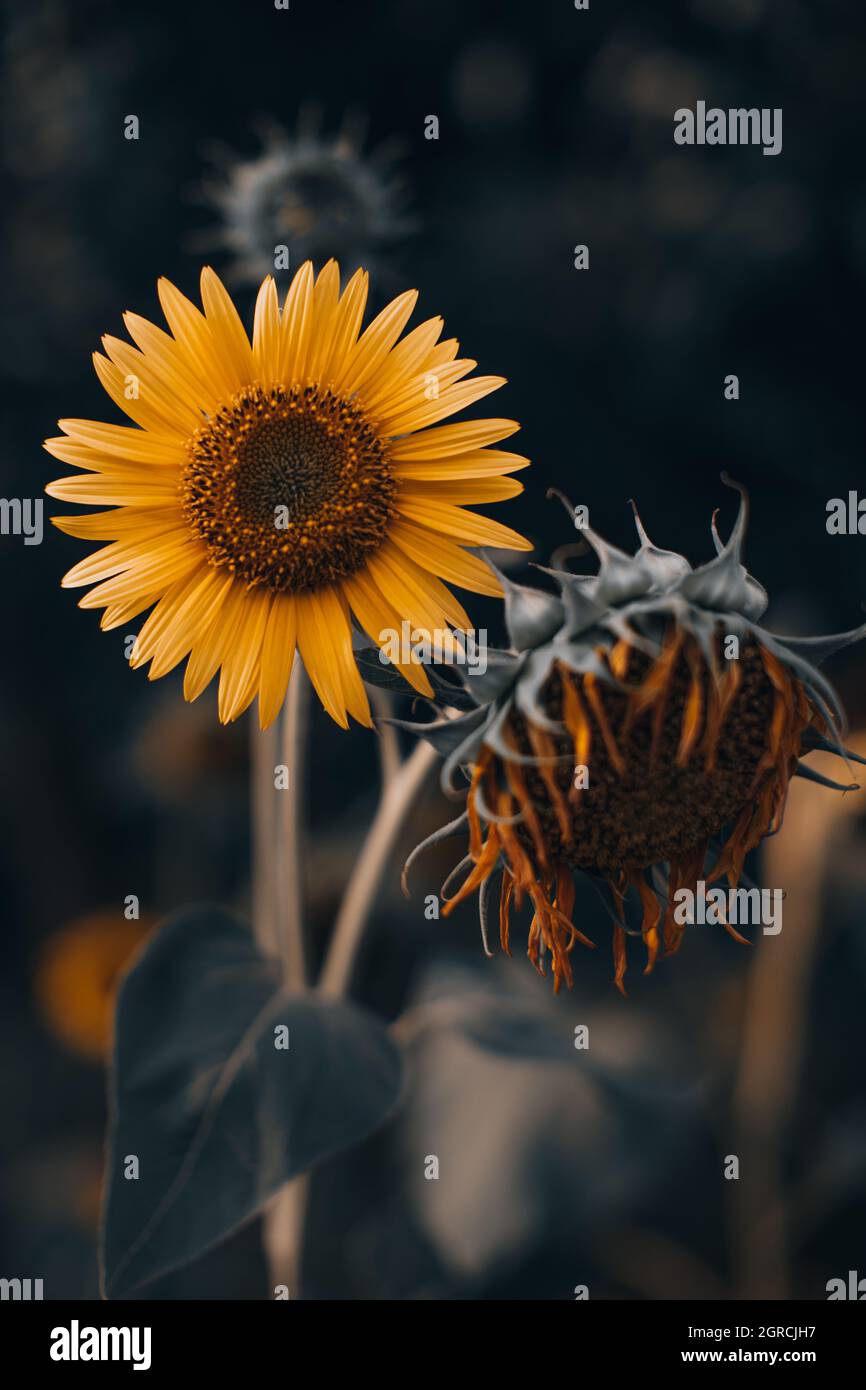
(76, 978)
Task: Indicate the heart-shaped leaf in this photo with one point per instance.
(223, 1088)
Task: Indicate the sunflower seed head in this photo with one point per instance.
(634, 597)
(629, 664)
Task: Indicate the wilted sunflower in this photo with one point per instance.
(628, 737)
(272, 489)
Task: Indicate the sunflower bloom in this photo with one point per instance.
(270, 492)
(643, 731)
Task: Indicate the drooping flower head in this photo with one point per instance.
(272, 490)
(643, 729)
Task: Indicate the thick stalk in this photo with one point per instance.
(263, 758)
(397, 798)
(389, 745)
(284, 1220)
(290, 912)
(278, 925)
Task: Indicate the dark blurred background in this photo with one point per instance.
(556, 129)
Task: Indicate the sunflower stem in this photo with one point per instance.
(289, 912)
(284, 1219)
(263, 758)
(389, 744)
(397, 797)
(283, 1235)
(278, 924)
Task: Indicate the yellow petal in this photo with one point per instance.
(181, 614)
(463, 526)
(376, 341)
(162, 393)
(484, 463)
(127, 486)
(266, 332)
(448, 440)
(113, 524)
(173, 365)
(127, 609)
(195, 339)
(463, 491)
(118, 441)
(158, 567)
(79, 455)
(215, 638)
(326, 298)
(415, 593)
(278, 654)
(146, 378)
(433, 552)
(380, 619)
(144, 411)
(442, 353)
(448, 402)
(420, 392)
(295, 325)
(347, 326)
(230, 339)
(325, 644)
(239, 677)
(114, 558)
(401, 365)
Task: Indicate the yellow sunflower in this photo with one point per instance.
(273, 489)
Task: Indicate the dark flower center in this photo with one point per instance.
(288, 487)
(649, 806)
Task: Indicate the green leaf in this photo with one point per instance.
(446, 691)
(217, 1115)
